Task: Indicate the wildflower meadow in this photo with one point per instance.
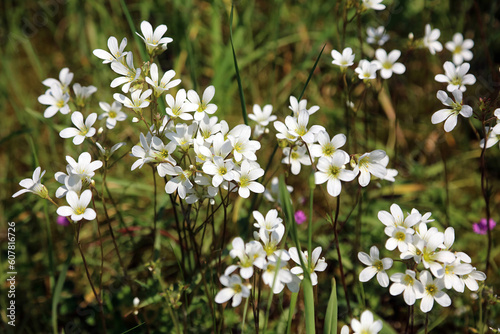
(250, 166)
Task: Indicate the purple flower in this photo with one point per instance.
(63, 221)
(481, 227)
(300, 217)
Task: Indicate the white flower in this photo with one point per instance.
(180, 182)
(250, 254)
(317, 264)
(165, 83)
(161, 151)
(375, 266)
(77, 208)
(296, 107)
(367, 325)
(204, 107)
(116, 53)
(180, 107)
(142, 151)
(112, 113)
(493, 136)
(456, 77)
(207, 128)
(108, 153)
(471, 278)
(296, 157)
(430, 39)
(220, 170)
(82, 93)
(270, 223)
(243, 147)
(376, 35)
(391, 173)
(262, 115)
(407, 284)
(270, 240)
(396, 217)
(327, 147)
(333, 170)
(276, 276)
(366, 70)
(33, 185)
(154, 39)
(344, 59)
(138, 99)
(387, 63)
(183, 135)
(460, 48)
(451, 272)
(235, 290)
(432, 291)
(65, 78)
(70, 182)
(129, 73)
(370, 163)
(399, 237)
(373, 4)
(56, 99)
(298, 127)
(83, 129)
(85, 167)
(450, 116)
(246, 179)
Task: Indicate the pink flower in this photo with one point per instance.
(300, 217)
(481, 227)
(63, 221)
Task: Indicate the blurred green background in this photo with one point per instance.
(276, 44)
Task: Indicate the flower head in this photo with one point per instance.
(77, 208)
(376, 266)
(460, 48)
(456, 77)
(116, 53)
(82, 129)
(344, 59)
(235, 289)
(112, 113)
(154, 39)
(300, 217)
(430, 39)
(376, 35)
(450, 116)
(387, 63)
(33, 185)
(481, 227)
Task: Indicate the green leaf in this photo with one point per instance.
(331, 315)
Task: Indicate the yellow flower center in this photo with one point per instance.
(400, 236)
(112, 114)
(431, 289)
(378, 265)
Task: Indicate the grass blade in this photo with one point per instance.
(238, 78)
(331, 316)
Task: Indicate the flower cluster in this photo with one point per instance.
(265, 254)
(431, 263)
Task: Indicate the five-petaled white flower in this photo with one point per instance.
(407, 284)
(296, 157)
(366, 70)
(375, 267)
(180, 107)
(129, 73)
(77, 208)
(316, 263)
(139, 99)
(56, 99)
(116, 53)
(367, 325)
(387, 63)
(250, 254)
(370, 163)
(460, 48)
(344, 59)
(85, 167)
(332, 170)
(112, 113)
(179, 182)
(262, 115)
(276, 276)
(456, 76)
(83, 129)
(246, 177)
(450, 116)
(33, 185)
(165, 83)
(430, 39)
(220, 169)
(65, 78)
(154, 39)
(235, 289)
(269, 223)
(432, 292)
(204, 107)
(376, 35)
